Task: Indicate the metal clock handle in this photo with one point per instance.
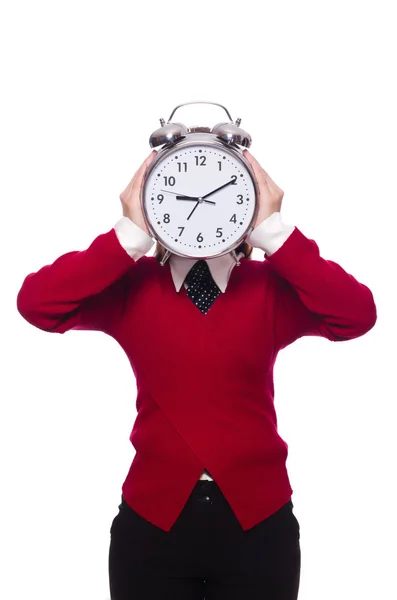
(201, 102)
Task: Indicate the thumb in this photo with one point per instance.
(150, 158)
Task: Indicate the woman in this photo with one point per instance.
(206, 508)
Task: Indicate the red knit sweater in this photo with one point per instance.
(205, 396)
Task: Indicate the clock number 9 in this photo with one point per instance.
(160, 198)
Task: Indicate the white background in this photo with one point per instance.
(83, 86)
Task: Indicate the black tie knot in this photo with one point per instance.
(199, 273)
(202, 289)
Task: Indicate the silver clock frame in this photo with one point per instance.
(200, 136)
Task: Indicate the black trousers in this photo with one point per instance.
(206, 555)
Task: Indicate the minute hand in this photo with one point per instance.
(219, 188)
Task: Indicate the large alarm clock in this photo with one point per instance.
(199, 195)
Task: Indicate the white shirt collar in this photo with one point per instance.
(220, 268)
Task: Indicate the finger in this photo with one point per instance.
(248, 156)
(259, 170)
(252, 160)
(151, 156)
(147, 161)
(145, 164)
(139, 173)
(138, 177)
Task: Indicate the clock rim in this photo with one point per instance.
(209, 140)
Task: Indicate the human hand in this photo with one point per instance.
(270, 195)
(130, 198)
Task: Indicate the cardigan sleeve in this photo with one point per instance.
(271, 234)
(315, 296)
(80, 289)
(134, 240)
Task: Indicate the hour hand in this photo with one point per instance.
(193, 198)
(180, 196)
(187, 198)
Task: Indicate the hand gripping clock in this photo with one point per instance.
(199, 195)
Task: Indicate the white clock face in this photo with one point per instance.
(186, 208)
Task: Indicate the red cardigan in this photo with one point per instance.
(205, 395)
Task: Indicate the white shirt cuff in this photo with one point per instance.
(271, 234)
(133, 239)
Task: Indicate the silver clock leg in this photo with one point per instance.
(165, 258)
(233, 253)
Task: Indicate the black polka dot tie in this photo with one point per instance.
(202, 289)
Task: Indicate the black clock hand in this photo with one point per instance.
(193, 210)
(194, 198)
(182, 195)
(219, 188)
(203, 198)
